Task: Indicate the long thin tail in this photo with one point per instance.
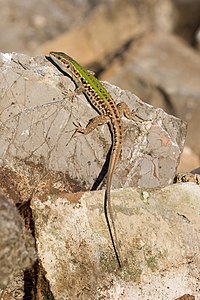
(107, 208)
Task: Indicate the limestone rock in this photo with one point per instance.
(158, 233)
(37, 134)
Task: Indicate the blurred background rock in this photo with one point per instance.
(150, 47)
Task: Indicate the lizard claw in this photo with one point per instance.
(71, 95)
(79, 128)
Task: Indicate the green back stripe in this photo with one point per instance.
(94, 82)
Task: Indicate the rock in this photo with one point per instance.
(187, 19)
(114, 24)
(158, 233)
(15, 288)
(26, 25)
(38, 147)
(187, 177)
(99, 23)
(186, 297)
(109, 30)
(17, 251)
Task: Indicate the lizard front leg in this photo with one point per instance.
(92, 124)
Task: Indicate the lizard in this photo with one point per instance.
(109, 113)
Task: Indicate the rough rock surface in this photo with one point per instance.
(37, 116)
(159, 238)
(17, 251)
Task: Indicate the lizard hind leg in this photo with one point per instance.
(125, 110)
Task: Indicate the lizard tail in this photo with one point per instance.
(107, 207)
(115, 154)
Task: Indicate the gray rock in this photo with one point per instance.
(17, 251)
(36, 126)
(158, 233)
